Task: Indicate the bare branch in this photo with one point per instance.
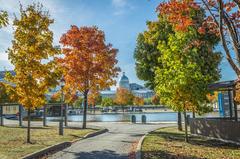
(228, 55)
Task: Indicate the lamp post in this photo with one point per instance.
(62, 84)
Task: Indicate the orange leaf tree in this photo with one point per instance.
(223, 20)
(155, 100)
(55, 98)
(138, 101)
(123, 97)
(93, 98)
(88, 63)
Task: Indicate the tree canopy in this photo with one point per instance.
(189, 63)
(123, 97)
(223, 20)
(33, 43)
(88, 64)
(33, 56)
(146, 53)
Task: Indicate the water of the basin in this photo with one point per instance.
(151, 117)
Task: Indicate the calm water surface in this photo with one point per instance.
(151, 117)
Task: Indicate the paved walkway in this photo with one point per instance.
(115, 144)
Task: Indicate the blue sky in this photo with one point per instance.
(121, 20)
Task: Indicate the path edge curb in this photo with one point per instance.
(138, 154)
(60, 146)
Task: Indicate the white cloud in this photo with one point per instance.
(119, 3)
(121, 7)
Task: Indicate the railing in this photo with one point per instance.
(225, 129)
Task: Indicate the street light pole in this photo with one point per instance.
(62, 83)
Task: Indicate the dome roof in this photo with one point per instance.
(124, 77)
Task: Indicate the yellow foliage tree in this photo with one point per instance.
(138, 101)
(123, 97)
(32, 44)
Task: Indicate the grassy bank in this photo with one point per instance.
(168, 143)
(13, 145)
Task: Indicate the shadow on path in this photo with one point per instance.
(104, 154)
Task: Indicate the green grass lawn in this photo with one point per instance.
(168, 143)
(13, 140)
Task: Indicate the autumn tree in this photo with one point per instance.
(32, 43)
(88, 63)
(155, 100)
(223, 20)
(123, 97)
(4, 95)
(55, 98)
(212, 97)
(138, 101)
(94, 98)
(3, 18)
(146, 53)
(189, 62)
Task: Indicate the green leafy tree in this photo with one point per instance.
(33, 44)
(189, 64)
(146, 53)
(184, 62)
(107, 102)
(147, 101)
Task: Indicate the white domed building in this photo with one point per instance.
(124, 82)
(135, 88)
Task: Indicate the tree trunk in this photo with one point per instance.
(179, 121)
(185, 123)
(84, 126)
(193, 114)
(29, 126)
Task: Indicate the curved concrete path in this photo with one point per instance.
(115, 144)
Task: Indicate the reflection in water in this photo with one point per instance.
(151, 117)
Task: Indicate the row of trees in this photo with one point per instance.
(176, 56)
(123, 97)
(85, 60)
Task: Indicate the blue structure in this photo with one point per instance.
(220, 105)
(226, 104)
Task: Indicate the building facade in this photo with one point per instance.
(136, 89)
